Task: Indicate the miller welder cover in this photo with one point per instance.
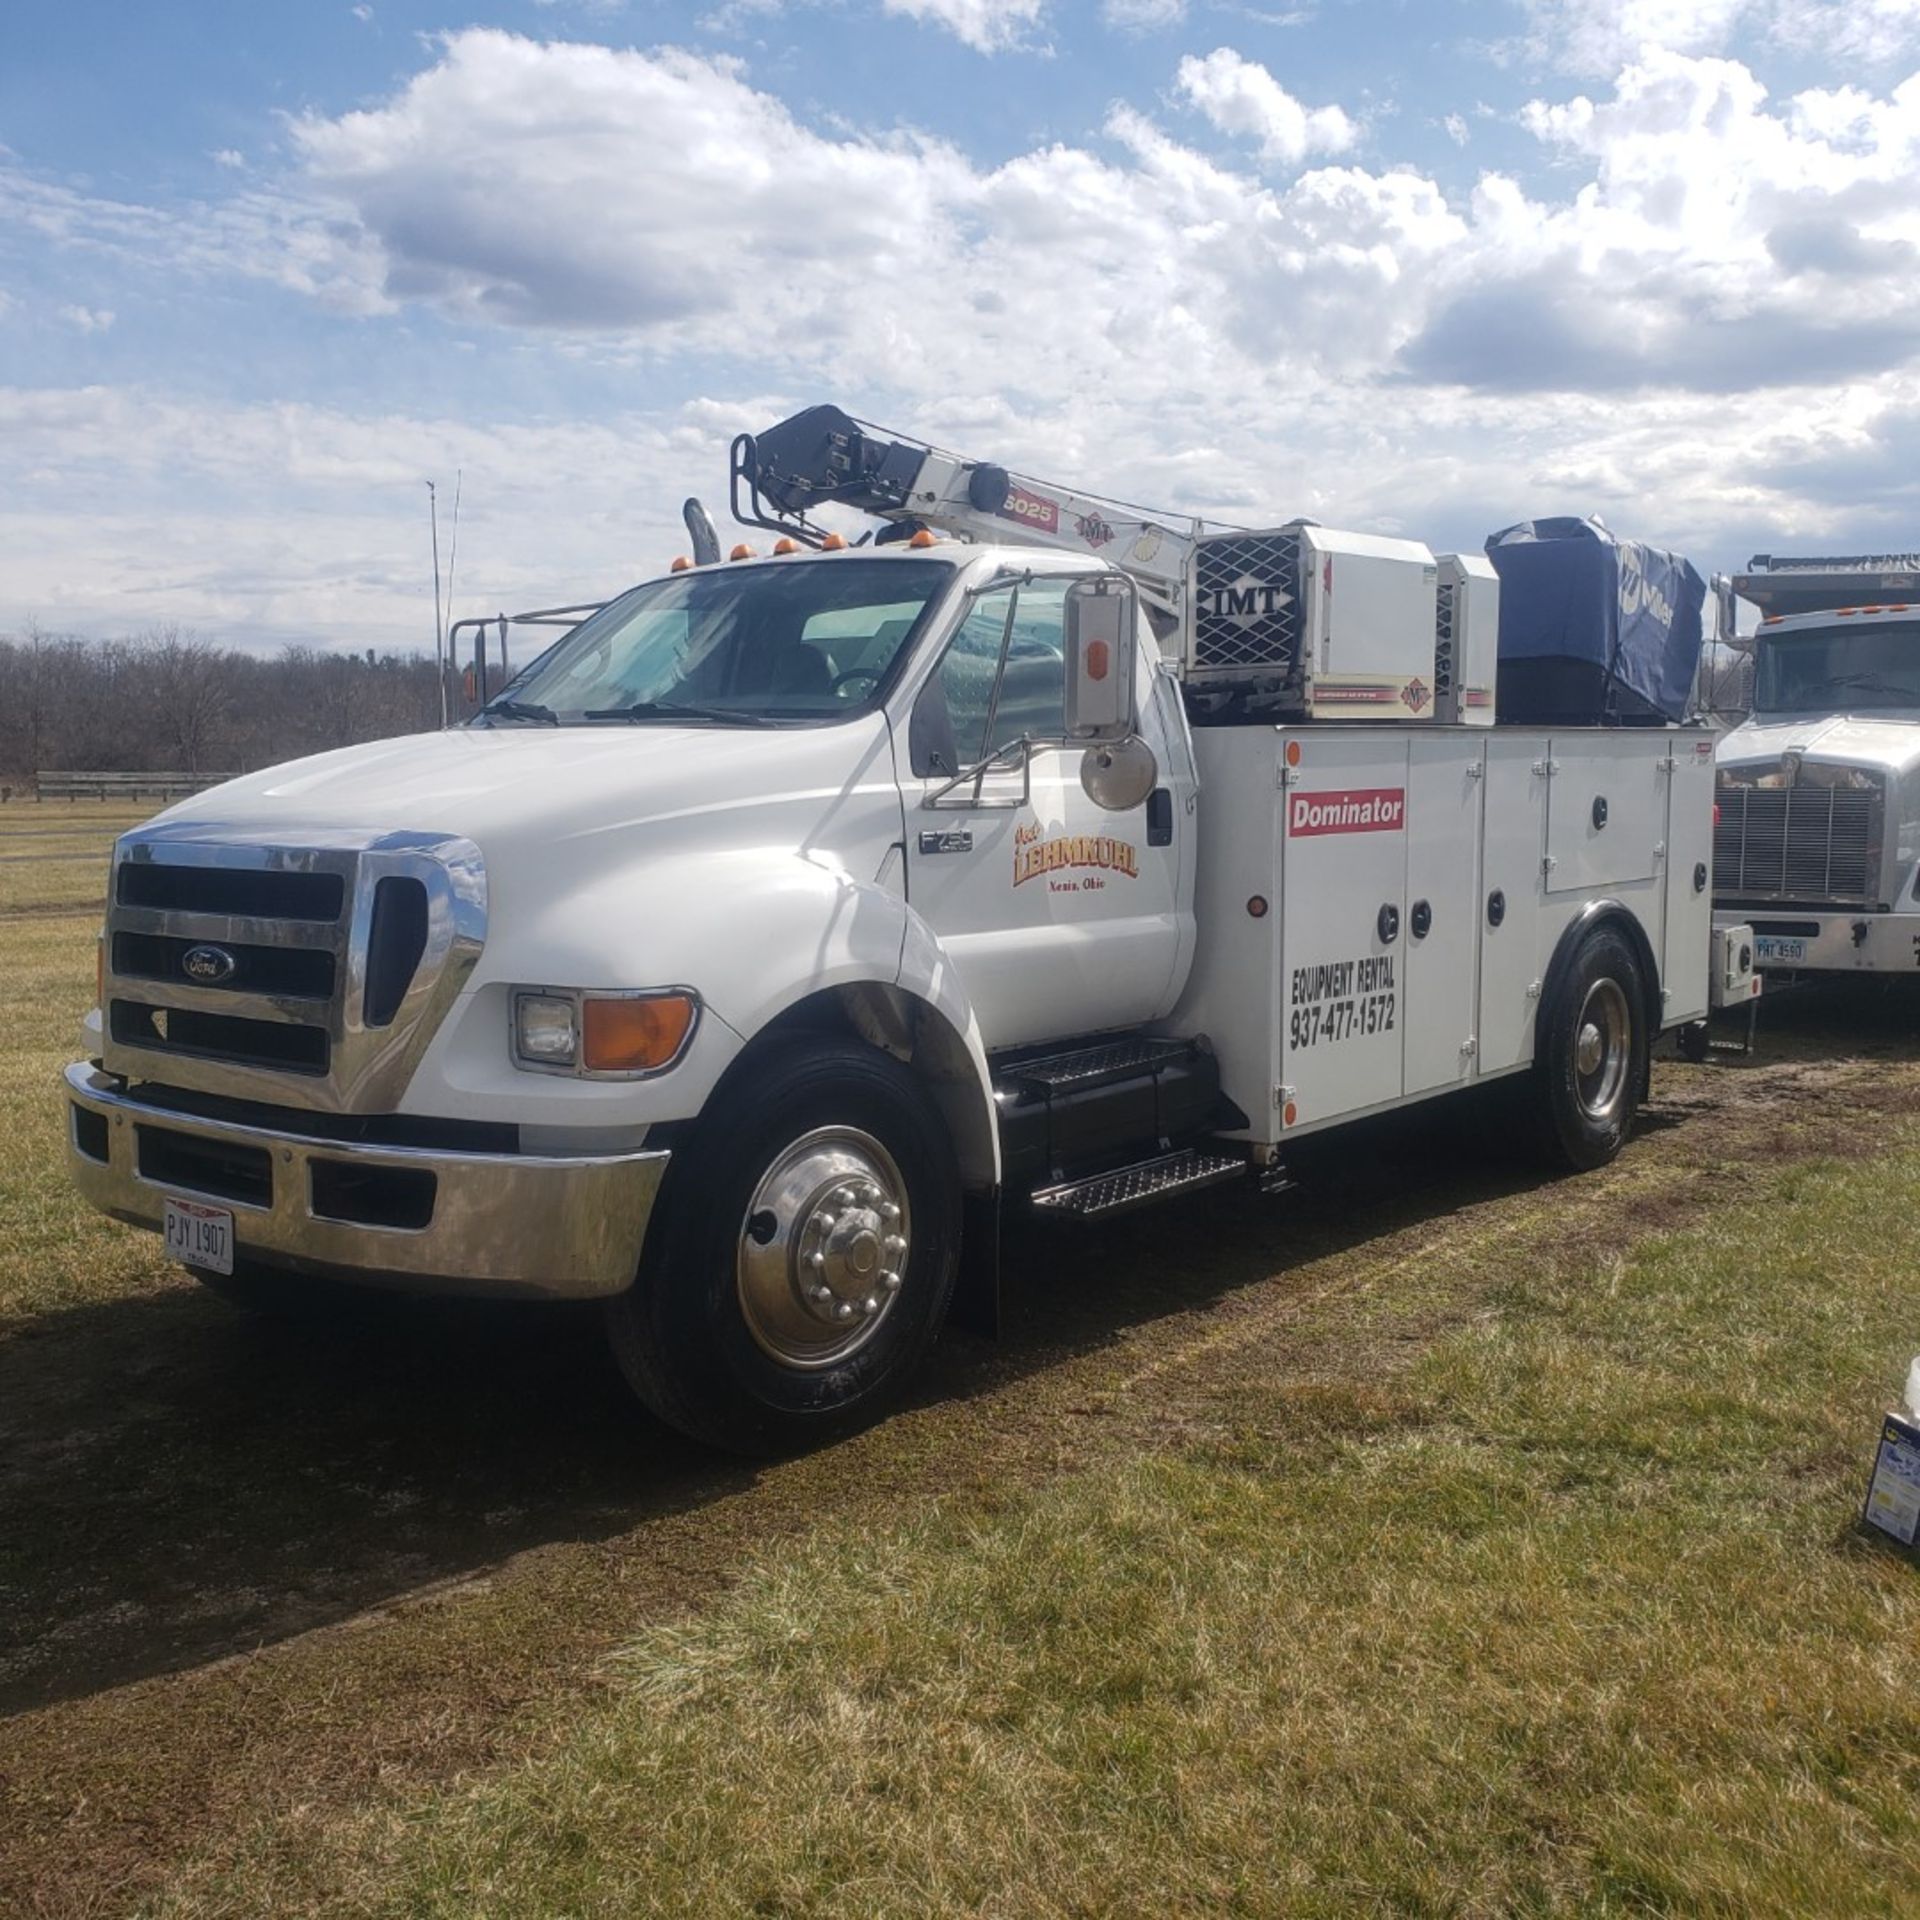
(1594, 630)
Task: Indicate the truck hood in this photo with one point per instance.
(534, 786)
(1884, 743)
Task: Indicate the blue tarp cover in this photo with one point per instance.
(1583, 605)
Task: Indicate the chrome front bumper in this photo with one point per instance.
(495, 1223)
(1829, 939)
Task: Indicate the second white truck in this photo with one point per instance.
(1818, 836)
(797, 914)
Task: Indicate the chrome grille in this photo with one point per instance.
(1806, 843)
(313, 973)
(1247, 606)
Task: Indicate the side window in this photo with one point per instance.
(1033, 691)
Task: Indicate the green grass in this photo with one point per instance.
(53, 1252)
(1568, 1614)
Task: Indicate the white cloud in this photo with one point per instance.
(987, 26)
(1599, 36)
(231, 158)
(88, 319)
(1143, 16)
(1870, 30)
(1456, 129)
(1241, 97)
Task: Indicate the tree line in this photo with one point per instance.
(166, 701)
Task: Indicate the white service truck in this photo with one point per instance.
(1817, 841)
(795, 914)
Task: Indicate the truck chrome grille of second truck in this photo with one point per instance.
(1806, 843)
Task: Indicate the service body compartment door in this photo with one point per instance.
(1343, 870)
(1510, 896)
(1606, 810)
(1442, 941)
(1683, 969)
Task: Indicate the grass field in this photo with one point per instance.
(1436, 1540)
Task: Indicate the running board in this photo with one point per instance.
(1141, 1185)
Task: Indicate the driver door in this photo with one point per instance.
(1060, 916)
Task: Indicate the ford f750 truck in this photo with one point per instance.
(797, 914)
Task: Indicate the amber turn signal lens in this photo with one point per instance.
(635, 1036)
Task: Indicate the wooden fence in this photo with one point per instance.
(123, 786)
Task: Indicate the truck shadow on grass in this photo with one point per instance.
(179, 1482)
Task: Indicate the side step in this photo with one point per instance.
(1141, 1185)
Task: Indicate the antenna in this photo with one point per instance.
(453, 560)
(439, 631)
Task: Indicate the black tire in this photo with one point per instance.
(715, 1336)
(1586, 1104)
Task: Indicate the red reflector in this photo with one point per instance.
(1716, 813)
(1099, 658)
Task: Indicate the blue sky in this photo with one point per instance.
(1429, 268)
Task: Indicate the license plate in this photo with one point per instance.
(1771, 946)
(199, 1236)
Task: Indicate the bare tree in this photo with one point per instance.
(167, 701)
(191, 692)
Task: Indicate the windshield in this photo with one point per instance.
(1839, 669)
(742, 646)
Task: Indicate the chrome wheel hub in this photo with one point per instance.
(1602, 1049)
(823, 1247)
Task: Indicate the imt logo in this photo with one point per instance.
(1244, 603)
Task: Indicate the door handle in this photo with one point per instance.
(1160, 817)
(1388, 924)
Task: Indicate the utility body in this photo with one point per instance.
(796, 915)
(1818, 838)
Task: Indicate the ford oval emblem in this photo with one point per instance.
(208, 966)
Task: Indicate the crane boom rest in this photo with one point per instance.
(824, 456)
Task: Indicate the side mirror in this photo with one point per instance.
(1100, 614)
(1118, 769)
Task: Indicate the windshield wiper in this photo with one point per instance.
(521, 710)
(674, 710)
(1875, 683)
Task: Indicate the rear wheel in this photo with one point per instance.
(802, 1256)
(1590, 1062)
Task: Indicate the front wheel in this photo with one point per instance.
(802, 1256)
(1590, 1060)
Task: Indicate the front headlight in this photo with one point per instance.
(546, 1029)
(613, 1035)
